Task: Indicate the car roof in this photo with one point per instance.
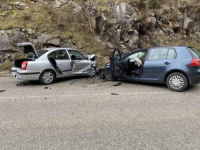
(60, 48)
(168, 47)
(159, 47)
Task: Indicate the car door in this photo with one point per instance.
(116, 64)
(158, 62)
(79, 62)
(61, 62)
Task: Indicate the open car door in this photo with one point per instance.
(28, 48)
(116, 64)
(80, 63)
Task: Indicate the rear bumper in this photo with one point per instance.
(24, 75)
(195, 80)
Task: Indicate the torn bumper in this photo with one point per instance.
(24, 75)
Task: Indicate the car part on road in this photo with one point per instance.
(118, 84)
(114, 94)
(47, 77)
(20, 84)
(73, 82)
(2, 90)
(177, 82)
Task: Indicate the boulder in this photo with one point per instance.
(152, 22)
(21, 6)
(4, 41)
(43, 38)
(55, 41)
(186, 22)
(122, 11)
(4, 7)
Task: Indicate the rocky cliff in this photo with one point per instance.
(96, 26)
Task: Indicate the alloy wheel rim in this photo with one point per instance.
(92, 72)
(47, 77)
(176, 82)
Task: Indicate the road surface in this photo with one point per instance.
(86, 116)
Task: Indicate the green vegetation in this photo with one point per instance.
(59, 22)
(6, 66)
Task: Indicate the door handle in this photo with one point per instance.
(166, 63)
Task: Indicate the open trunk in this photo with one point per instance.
(28, 48)
(18, 63)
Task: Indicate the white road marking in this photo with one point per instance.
(79, 95)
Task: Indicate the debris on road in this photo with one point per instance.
(2, 90)
(20, 84)
(46, 88)
(118, 84)
(73, 82)
(114, 94)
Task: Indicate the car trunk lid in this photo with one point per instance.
(28, 48)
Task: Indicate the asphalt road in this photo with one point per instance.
(86, 116)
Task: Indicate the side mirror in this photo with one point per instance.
(110, 58)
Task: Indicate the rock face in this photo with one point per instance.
(128, 26)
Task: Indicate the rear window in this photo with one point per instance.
(194, 53)
(41, 52)
(158, 54)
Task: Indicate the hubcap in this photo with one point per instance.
(92, 72)
(47, 77)
(176, 82)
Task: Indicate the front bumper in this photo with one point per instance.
(24, 75)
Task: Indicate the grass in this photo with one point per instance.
(59, 22)
(6, 66)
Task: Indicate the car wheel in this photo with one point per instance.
(92, 72)
(177, 82)
(107, 75)
(47, 77)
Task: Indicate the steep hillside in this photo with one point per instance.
(97, 26)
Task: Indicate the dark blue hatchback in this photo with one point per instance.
(178, 66)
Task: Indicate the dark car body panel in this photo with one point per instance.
(156, 71)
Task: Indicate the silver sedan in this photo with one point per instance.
(48, 64)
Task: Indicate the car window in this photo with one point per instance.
(41, 52)
(171, 54)
(141, 55)
(194, 53)
(158, 54)
(117, 56)
(59, 55)
(76, 55)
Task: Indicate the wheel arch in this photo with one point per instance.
(47, 70)
(173, 71)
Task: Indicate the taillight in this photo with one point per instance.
(195, 62)
(24, 65)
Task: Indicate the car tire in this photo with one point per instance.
(47, 77)
(177, 82)
(92, 72)
(107, 75)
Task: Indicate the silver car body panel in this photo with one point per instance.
(68, 67)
